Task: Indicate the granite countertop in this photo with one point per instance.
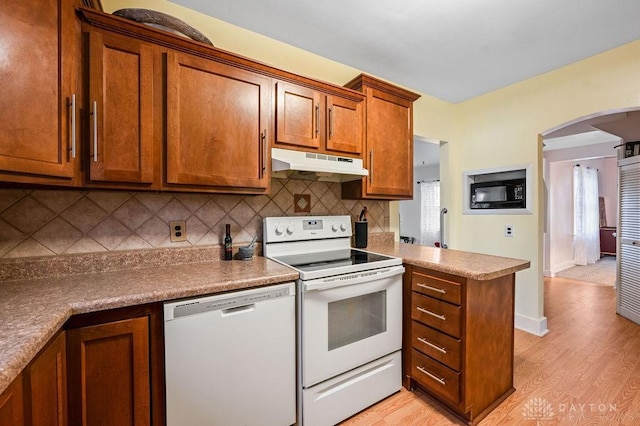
(38, 295)
(33, 310)
(469, 265)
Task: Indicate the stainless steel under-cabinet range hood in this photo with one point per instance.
(287, 163)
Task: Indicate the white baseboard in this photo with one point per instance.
(535, 326)
(561, 267)
(548, 273)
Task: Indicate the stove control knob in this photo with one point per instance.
(334, 227)
(290, 229)
(279, 230)
(343, 227)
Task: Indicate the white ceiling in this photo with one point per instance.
(451, 49)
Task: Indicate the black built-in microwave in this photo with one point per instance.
(503, 194)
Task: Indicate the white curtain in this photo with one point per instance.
(586, 216)
(429, 213)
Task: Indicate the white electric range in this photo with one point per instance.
(349, 316)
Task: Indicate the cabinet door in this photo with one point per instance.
(11, 404)
(109, 374)
(217, 124)
(299, 116)
(344, 125)
(48, 385)
(121, 109)
(39, 73)
(389, 155)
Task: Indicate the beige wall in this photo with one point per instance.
(502, 127)
(497, 129)
(246, 43)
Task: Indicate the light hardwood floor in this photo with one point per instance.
(585, 371)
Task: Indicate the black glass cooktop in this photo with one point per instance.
(330, 259)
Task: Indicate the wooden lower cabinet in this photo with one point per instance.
(458, 339)
(104, 368)
(113, 368)
(46, 385)
(12, 404)
(38, 397)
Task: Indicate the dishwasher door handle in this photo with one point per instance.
(238, 310)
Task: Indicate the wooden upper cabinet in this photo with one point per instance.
(389, 142)
(309, 119)
(121, 109)
(344, 125)
(39, 119)
(47, 384)
(109, 374)
(217, 125)
(298, 120)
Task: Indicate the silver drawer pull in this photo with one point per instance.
(442, 317)
(426, 342)
(438, 290)
(437, 379)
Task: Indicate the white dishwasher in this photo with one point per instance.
(230, 359)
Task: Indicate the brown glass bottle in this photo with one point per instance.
(228, 244)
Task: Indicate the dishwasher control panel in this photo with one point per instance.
(225, 302)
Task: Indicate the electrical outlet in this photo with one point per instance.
(178, 229)
(508, 231)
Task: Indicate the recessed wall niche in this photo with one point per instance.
(498, 191)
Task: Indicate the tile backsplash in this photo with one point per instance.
(53, 222)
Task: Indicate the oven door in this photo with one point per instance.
(346, 323)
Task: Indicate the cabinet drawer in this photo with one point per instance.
(442, 316)
(436, 287)
(437, 345)
(435, 376)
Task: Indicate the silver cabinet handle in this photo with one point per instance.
(442, 317)
(330, 123)
(317, 119)
(95, 131)
(437, 379)
(72, 105)
(371, 166)
(264, 151)
(426, 342)
(428, 287)
(614, 234)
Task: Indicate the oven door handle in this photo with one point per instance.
(351, 279)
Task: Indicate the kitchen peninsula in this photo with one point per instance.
(458, 325)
